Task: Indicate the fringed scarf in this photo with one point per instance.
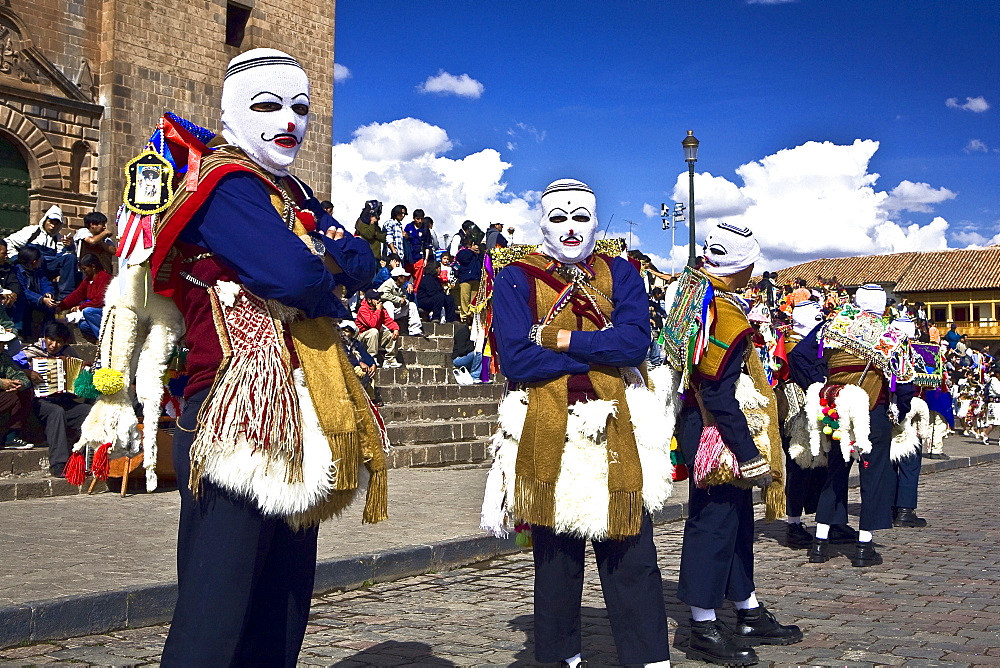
(543, 438)
(344, 411)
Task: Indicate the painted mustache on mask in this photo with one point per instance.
(571, 240)
(283, 139)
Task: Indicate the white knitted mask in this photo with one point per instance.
(265, 107)
(569, 221)
(906, 326)
(729, 249)
(871, 298)
(805, 316)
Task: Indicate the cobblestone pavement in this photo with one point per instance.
(935, 602)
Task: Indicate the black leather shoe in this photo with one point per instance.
(713, 642)
(796, 537)
(819, 551)
(866, 556)
(907, 517)
(759, 627)
(842, 533)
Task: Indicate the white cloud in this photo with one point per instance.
(650, 210)
(402, 139)
(817, 200)
(909, 196)
(970, 238)
(976, 146)
(974, 104)
(448, 84)
(401, 163)
(340, 73)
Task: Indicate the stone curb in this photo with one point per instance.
(149, 604)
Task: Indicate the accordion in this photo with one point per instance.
(58, 374)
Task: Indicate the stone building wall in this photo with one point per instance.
(171, 55)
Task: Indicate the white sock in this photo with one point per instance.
(748, 604)
(702, 614)
(658, 664)
(822, 531)
(574, 661)
(865, 536)
(794, 520)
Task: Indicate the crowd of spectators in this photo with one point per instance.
(421, 279)
(49, 280)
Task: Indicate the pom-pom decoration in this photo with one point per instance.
(83, 386)
(523, 534)
(76, 469)
(109, 381)
(837, 434)
(828, 430)
(101, 466)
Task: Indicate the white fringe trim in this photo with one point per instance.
(908, 435)
(581, 493)
(855, 425)
(250, 475)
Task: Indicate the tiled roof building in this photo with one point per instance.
(961, 286)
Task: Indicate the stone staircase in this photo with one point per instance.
(430, 419)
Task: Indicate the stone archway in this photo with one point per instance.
(43, 162)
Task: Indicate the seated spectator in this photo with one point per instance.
(377, 329)
(35, 305)
(16, 398)
(363, 363)
(470, 271)
(432, 298)
(10, 288)
(396, 303)
(88, 298)
(385, 272)
(464, 355)
(59, 262)
(62, 414)
(95, 239)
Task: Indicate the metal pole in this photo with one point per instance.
(692, 256)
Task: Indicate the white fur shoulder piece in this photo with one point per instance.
(227, 292)
(581, 493)
(907, 436)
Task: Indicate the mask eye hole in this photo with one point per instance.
(265, 106)
(301, 109)
(558, 218)
(581, 218)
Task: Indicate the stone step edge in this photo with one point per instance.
(146, 605)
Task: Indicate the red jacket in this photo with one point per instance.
(90, 293)
(369, 318)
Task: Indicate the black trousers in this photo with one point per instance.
(717, 555)
(633, 594)
(802, 486)
(878, 481)
(244, 580)
(907, 478)
(62, 416)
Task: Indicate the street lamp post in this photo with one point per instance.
(690, 145)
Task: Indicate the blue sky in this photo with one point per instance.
(605, 91)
